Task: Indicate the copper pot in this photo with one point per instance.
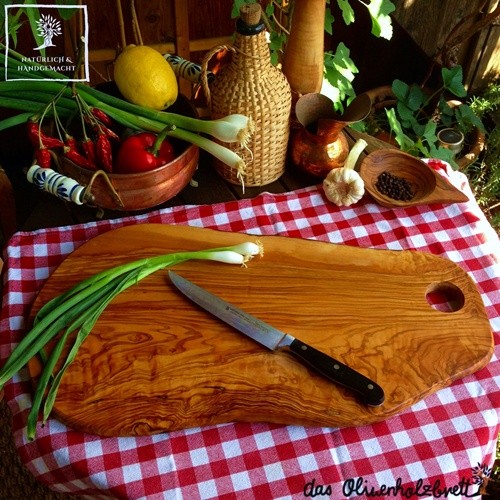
(136, 191)
(132, 192)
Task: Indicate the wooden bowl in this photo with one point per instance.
(427, 185)
(146, 189)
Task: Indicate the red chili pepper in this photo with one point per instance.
(38, 138)
(77, 158)
(101, 116)
(71, 142)
(104, 152)
(112, 135)
(101, 128)
(135, 154)
(43, 157)
(88, 147)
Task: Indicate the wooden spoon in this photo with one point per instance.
(427, 185)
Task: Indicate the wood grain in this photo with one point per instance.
(428, 186)
(155, 362)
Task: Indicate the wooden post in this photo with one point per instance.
(182, 40)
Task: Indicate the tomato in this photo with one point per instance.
(136, 154)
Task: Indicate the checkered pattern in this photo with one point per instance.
(432, 448)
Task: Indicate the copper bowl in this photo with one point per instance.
(427, 185)
(142, 190)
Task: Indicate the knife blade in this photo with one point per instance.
(369, 392)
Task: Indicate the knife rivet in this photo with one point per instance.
(370, 386)
(336, 366)
(303, 347)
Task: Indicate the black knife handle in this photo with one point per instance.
(371, 393)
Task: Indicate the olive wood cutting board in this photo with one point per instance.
(156, 362)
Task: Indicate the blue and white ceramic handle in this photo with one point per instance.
(59, 185)
(186, 69)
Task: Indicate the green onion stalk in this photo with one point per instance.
(40, 87)
(73, 314)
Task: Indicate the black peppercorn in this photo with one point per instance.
(394, 187)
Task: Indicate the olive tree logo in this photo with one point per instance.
(47, 23)
(48, 28)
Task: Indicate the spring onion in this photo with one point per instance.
(74, 313)
(39, 87)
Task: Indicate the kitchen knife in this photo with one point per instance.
(370, 393)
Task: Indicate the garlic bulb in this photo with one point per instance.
(344, 186)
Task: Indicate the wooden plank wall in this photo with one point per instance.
(429, 22)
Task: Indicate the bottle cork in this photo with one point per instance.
(251, 13)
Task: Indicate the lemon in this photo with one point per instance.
(145, 78)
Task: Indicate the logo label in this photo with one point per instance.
(48, 52)
(48, 27)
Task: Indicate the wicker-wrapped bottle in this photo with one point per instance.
(250, 85)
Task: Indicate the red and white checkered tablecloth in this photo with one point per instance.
(441, 446)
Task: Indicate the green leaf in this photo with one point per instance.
(33, 15)
(339, 71)
(444, 108)
(400, 89)
(412, 97)
(452, 81)
(416, 98)
(429, 133)
(444, 154)
(329, 19)
(359, 126)
(13, 29)
(13, 22)
(418, 128)
(66, 14)
(420, 150)
(405, 113)
(276, 43)
(466, 116)
(381, 20)
(432, 149)
(269, 9)
(347, 11)
(405, 143)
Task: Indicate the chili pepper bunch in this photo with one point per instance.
(93, 150)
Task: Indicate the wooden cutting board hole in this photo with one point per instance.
(445, 297)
